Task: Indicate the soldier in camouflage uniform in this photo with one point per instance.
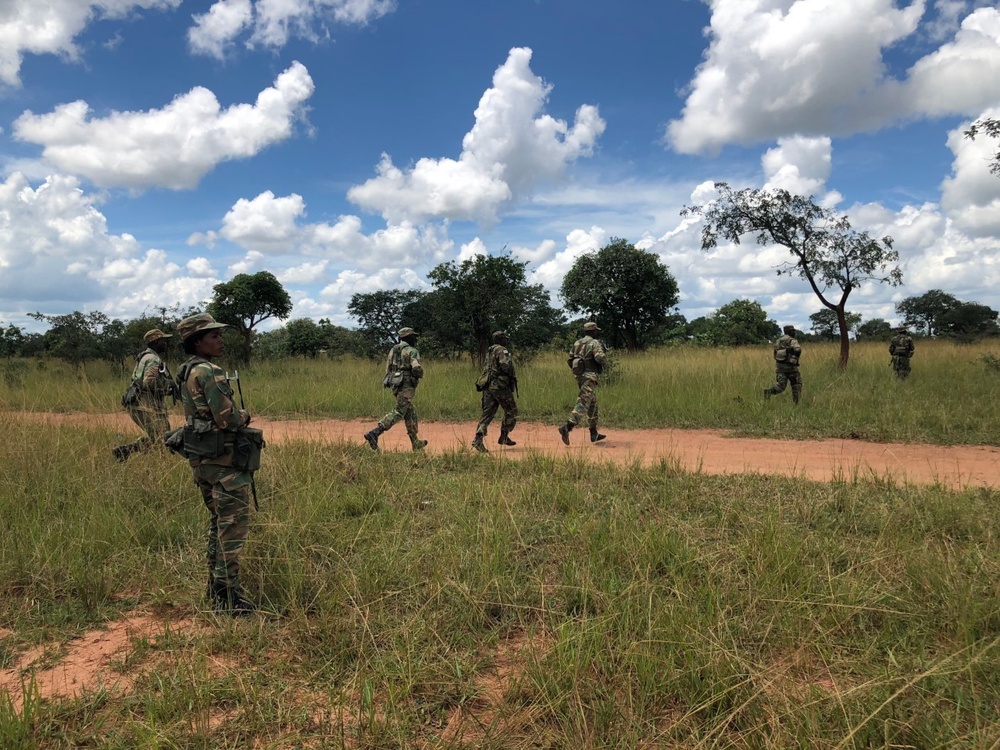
(402, 373)
(901, 349)
(588, 354)
(498, 392)
(786, 365)
(153, 382)
(210, 412)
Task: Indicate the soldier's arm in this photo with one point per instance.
(597, 349)
(150, 373)
(416, 369)
(216, 392)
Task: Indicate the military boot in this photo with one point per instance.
(796, 395)
(504, 439)
(227, 600)
(595, 436)
(372, 436)
(477, 443)
(565, 430)
(417, 444)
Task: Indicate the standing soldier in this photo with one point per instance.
(151, 381)
(901, 348)
(786, 365)
(498, 391)
(402, 373)
(586, 360)
(211, 423)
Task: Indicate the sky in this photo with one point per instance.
(150, 149)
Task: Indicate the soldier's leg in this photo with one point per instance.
(231, 495)
(780, 383)
(796, 381)
(403, 401)
(411, 420)
(593, 412)
(584, 401)
(509, 406)
(490, 405)
(212, 546)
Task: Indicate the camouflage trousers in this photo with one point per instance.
(404, 411)
(226, 493)
(586, 401)
(151, 415)
(502, 398)
(782, 379)
(901, 366)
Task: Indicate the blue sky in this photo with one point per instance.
(150, 149)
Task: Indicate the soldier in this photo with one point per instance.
(498, 392)
(586, 360)
(211, 422)
(151, 381)
(901, 349)
(786, 365)
(402, 373)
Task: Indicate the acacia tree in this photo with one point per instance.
(246, 301)
(628, 290)
(925, 310)
(826, 251)
(989, 127)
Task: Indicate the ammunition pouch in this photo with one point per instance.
(577, 365)
(393, 379)
(247, 449)
(174, 440)
(483, 381)
(131, 395)
(203, 442)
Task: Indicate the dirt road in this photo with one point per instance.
(709, 451)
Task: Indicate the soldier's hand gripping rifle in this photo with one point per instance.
(243, 408)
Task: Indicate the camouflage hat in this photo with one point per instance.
(404, 332)
(901, 329)
(196, 324)
(790, 330)
(591, 326)
(155, 335)
(500, 335)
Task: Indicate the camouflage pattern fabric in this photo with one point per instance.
(207, 396)
(787, 352)
(901, 349)
(591, 351)
(499, 391)
(405, 359)
(150, 413)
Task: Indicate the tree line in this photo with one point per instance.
(627, 290)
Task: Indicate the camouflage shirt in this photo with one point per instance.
(151, 373)
(591, 351)
(207, 395)
(901, 346)
(500, 368)
(787, 352)
(404, 359)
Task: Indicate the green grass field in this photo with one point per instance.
(551, 603)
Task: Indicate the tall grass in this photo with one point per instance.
(649, 607)
(949, 398)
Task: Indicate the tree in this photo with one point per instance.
(968, 321)
(248, 300)
(73, 338)
(629, 291)
(740, 323)
(305, 338)
(826, 251)
(481, 295)
(875, 329)
(381, 314)
(11, 341)
(825, 325)
(991, 128)
(924, 311)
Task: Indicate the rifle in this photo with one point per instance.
(239, 388)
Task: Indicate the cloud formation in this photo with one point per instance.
(512, 147)
(782, 67)
(173, 147)
(42, 27)
(270, 23)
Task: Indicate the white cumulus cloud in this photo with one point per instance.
(512, 147)
(172, 147)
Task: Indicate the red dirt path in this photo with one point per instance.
(709, 451)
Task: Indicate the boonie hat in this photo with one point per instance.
(591, 326)
(500, 334)
(155, 335)
(404, 332)
(196, 324)
(789, 330)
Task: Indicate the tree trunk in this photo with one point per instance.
(845, 342)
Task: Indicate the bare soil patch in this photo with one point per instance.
(708, 451)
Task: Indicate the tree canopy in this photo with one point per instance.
(924, 311)
(826, 326)
(991, 128)
(740, 323)
(826, 251)
(380, 314)
(629, 292)
(876, 329)
(246, 301)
